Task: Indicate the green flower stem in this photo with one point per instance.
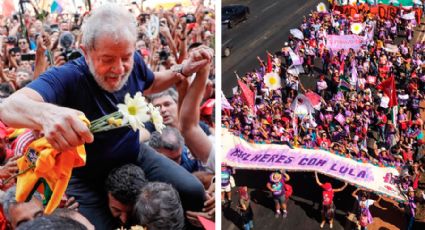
(98, 125)
(116, 114)
(107, 128)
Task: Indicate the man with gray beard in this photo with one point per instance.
(93, 85)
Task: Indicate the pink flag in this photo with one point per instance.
(225, 103)
(371, 80)
(340, 118)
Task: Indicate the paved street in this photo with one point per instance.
(267, 28)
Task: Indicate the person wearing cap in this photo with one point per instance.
(328, 206)
(323, 140)
(363, 154)
(407, 153)
(276, 185)
(384, 156)
(363, 203)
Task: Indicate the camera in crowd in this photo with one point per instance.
(190, 18)
(163, 55)
(11, 40)
(70, 54)
(66, 41)
(143, 18)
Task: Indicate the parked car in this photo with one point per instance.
(233, 14)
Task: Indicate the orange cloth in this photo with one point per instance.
(51, 165)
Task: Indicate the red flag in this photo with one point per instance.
(269, 64)
(247, 94)
(388, 86)
(8, 8)
(207, 107)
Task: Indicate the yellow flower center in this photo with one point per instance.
(272, 81)
(132, 110)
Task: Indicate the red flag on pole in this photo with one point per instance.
(269, 64)
(247, 94)
(8, 8)
(388, 86)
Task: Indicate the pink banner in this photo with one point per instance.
(240, 154)
(337, 42)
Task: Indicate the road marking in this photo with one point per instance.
(269, 7)
(227, 41)
(272, 28)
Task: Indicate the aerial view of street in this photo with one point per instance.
(323, 114)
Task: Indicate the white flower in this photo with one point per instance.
(356, 28)
(134, 111)
(272, 81)
(352, 2)
(321, 8)
(156, 118)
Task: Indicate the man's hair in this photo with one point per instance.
(30, 73)
(64, 212)
(124, 183)
(170, 139)
(169, 92)
(194, 45)
(52, 222)
(9, 200)
(6, 89)
(158, 207)
(109, 20)
(14, 50)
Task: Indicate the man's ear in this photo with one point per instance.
(84, 49)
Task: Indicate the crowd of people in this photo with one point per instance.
(359, 113)
(55, 66)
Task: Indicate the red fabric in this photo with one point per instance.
(314, 98)
(416, 181)
(288, 191)
(388, 86)
(207, 107)
(324, 142)
(3, 130)
(407, 156)
(3, 221)
(269, 64)
(383, 120)
(247, 94)
(328, 197)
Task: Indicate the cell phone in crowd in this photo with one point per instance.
(28, 57)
